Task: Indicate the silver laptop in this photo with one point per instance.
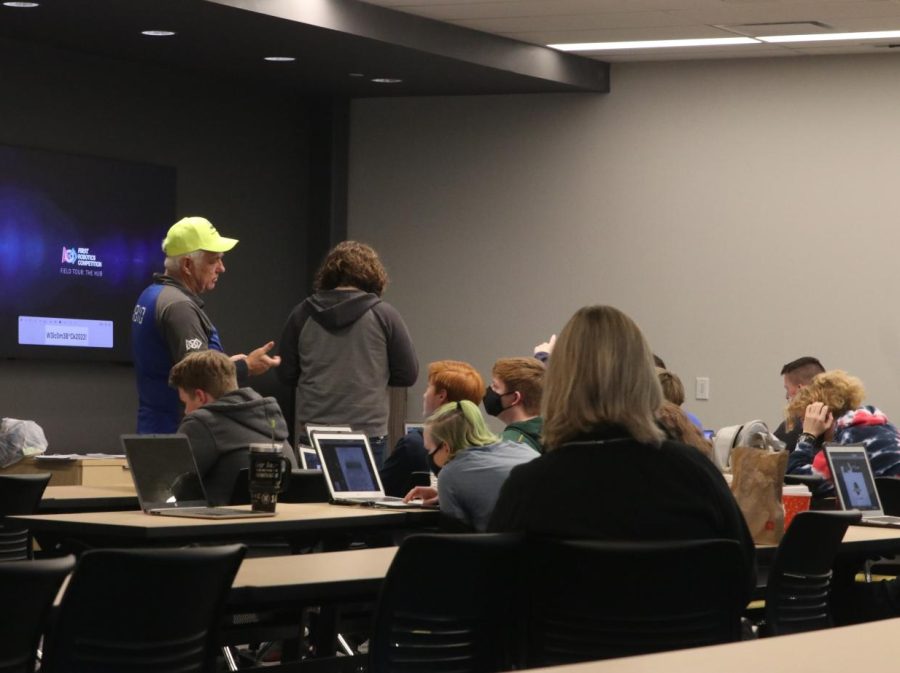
(309, 459)
(167, 480)
(350, 471)
(855, 483)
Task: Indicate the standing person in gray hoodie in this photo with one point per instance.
(222, 420)
(343, 346)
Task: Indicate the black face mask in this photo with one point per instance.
(435, 468)
(493, 401)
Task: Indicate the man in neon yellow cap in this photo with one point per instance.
(168, 321)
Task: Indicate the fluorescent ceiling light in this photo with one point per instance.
(653, 44)
(829, 37)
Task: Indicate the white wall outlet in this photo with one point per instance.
(702, 391)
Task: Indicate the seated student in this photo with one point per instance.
(222, 420)
(514, 397)
(448, 381)
(472, 461)
(673, 391)
(796, 375)
(832, 411)
(675, 423)
(607, 472)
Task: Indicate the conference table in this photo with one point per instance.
(842, 649)
(282, 586)
(134, 528)
(69, 499)
(310, 578)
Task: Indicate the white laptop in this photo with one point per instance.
(167, 480)
(855, 483)
(350, 472)
(309, 459)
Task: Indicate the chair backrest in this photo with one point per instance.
(131, 610)
(303, 486)
(799, 585)
(28, 589)
(591, 600)
(446, 605)
(889, 492)
(19, 494)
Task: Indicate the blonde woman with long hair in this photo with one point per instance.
(471, 462)
(607, 472)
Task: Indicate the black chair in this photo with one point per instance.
(591, 600)
(143, 610)
(19, 494)
(28, 589)
(799, 586)
(889, 493)
(445, 605)
(302, 486)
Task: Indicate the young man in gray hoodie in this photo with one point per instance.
(222, 420)
(344, 346)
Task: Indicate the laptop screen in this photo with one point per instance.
(163, 470)
(309, 458)
(853, 478)
(348, 465)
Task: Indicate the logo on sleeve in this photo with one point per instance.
(193, 344)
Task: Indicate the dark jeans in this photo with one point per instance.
(378, 445)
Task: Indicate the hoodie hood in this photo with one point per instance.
(339, 308)
(247, 408)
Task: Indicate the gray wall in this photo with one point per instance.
(241, 159)
(743, 212)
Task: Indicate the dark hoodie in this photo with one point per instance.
(221, 433)
(341, 349)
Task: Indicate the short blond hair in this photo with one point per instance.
(601, 373)
(210, 371)
(836, 389)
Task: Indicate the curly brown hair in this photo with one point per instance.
(354, 264)
(839, 391)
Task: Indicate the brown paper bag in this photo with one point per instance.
(756, 485)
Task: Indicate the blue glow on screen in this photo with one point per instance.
(79, 239)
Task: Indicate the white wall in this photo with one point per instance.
(743, 212)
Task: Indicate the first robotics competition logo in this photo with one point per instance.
(80, 262)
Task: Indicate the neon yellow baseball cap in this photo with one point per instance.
(190, 234)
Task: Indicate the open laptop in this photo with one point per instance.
(350, 472)
(855, 483)
(309, 459)
(167, 480)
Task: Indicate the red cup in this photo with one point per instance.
(795, 499)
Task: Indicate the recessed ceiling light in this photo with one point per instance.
(653, 44)
(21, 5)
(386, 80)
(158, 33)
(356, 74)
(830, 37)
(279, 59)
